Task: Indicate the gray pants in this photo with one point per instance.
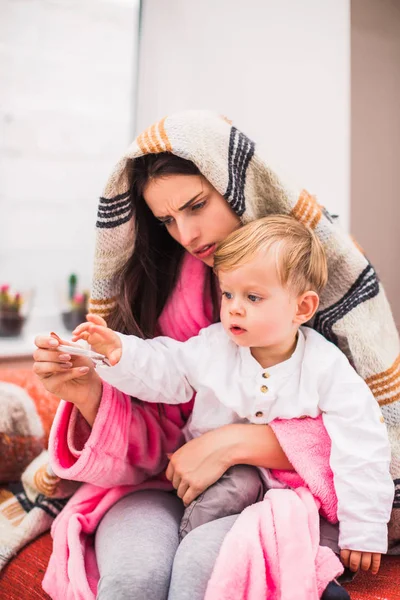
(139, 555)
(240, 487)
(138, 552)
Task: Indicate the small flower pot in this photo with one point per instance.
(73, 318)
(11, 323)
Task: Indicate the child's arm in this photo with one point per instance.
(101, 338)
(360, 459)
(152, 370)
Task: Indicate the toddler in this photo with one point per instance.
(258, 364)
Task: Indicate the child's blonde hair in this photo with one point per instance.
(299, 255)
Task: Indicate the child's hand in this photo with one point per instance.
(101, 339)
(355, 560)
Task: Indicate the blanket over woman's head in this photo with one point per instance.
(353, 313)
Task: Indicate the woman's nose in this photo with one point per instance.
(188, 234)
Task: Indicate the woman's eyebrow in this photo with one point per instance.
(189, 202)
(186, 205)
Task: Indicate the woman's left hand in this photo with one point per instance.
(202, 461)
(199, 463)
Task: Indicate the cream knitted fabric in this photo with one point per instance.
(354, 312)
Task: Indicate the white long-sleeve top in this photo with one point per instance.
(232, 387)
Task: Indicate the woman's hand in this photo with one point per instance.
(198, 464)
(69, 377)
(202, 461)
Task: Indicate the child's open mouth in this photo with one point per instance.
(236, 330)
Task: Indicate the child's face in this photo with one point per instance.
(256, 310)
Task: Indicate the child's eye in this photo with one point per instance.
(227, 295)
(198, 206)
(254, 298)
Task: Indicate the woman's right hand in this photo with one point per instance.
(69, 377)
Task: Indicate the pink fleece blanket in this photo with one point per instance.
(273, 552)
(126, 450)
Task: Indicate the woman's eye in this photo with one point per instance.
(167, 222)
(254, 298)
(198, 206)
(227, 295)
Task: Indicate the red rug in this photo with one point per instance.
(384, 586)
(22, 578)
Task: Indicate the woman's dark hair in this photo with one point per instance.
(147, 279)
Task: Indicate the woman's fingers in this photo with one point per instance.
(176, 480)
(169, 473)
(67, 375)
(43, 369)
(182, 489)
(190, 495)
(50, 356)
(46, 342)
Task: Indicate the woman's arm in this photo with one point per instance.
(203, 460)
(118, 441)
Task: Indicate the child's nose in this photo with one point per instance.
(236, 308)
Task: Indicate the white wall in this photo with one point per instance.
(67, 74)
(279, 68)
(375, 134)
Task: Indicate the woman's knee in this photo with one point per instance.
(136, 544)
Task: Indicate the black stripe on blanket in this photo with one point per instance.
(241, 150)
(115, 198)
(365, 287)
(51, 506)
(107, 209)
(396, 501)
(113, 212)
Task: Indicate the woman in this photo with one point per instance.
(158, 226)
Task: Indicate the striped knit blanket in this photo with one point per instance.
(354, 312)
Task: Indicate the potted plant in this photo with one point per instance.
(11, 319)
(77, 305)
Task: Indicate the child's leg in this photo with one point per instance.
(238, 488)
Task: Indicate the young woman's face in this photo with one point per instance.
(194, 213)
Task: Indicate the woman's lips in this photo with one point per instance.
(205, 251)
(236, 330)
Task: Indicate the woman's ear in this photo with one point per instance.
(307, 305)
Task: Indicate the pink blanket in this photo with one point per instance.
(273, 552)
(126, 450)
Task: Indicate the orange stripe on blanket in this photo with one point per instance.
(102, 312)
(386, 385)
(384, 374)
(104, 301)
(389, 400)
(307, 210)
(163, 135)
(155, 144)
(141, 142)
(154, 139)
